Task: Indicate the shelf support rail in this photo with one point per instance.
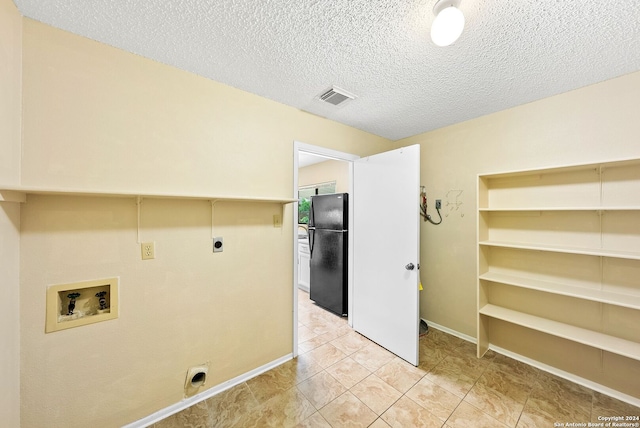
(213, 203)
(600, 171)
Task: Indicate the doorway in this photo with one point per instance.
(382, 254)
(306, 150)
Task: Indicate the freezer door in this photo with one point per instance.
(328, 280)
(329, 211)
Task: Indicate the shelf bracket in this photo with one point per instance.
(139, 209)
(12, 196)
(213, 203)
(282, 208)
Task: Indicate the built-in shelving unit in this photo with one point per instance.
(559, 253)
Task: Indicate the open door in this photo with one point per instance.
(386, 258)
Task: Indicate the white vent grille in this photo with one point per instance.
(336, 96)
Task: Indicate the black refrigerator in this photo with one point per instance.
(328, 227)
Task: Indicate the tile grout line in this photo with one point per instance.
(449, 354)
(452, 352)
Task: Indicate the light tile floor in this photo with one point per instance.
(341, 379)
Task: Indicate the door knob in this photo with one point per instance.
(410, 266)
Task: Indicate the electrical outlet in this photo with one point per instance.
(148, 250)
(277, 220)
(438, 204)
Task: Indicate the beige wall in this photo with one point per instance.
(10, 98)
(592, 124)
(98, 118)
(186, 307)
(10, 313)
(323, 172)
(10, 91)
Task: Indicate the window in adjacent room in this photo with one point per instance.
(304, 198)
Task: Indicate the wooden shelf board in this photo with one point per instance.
(595, 339)
(617, 299)
(155, 195)
(561, 249)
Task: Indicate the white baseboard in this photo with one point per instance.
(188, 402)
(451, 332)
(549, 369)
(177, 407)
(569, 376)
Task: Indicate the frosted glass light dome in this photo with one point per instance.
(447, 26)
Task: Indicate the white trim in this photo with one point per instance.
(350, 247)
(544, 367)
(314, 185)
(322, 151)
(177, 407)
(451, 332)
(569, 376)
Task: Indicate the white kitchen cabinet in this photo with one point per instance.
(304, 260)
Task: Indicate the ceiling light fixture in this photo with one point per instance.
(449, 22)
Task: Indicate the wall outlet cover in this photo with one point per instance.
(218, 244)
(148, 250)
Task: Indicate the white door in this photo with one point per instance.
(386, 238)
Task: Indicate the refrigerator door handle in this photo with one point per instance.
(311, 216)
(311, 234)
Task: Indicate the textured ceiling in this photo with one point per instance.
(510, 53)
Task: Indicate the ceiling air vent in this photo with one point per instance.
(336, 96)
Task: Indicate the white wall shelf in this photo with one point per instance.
(559, 253)
(591, 338)
(591, 208)
(564, 249)
(618, 299)
(18, 194)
